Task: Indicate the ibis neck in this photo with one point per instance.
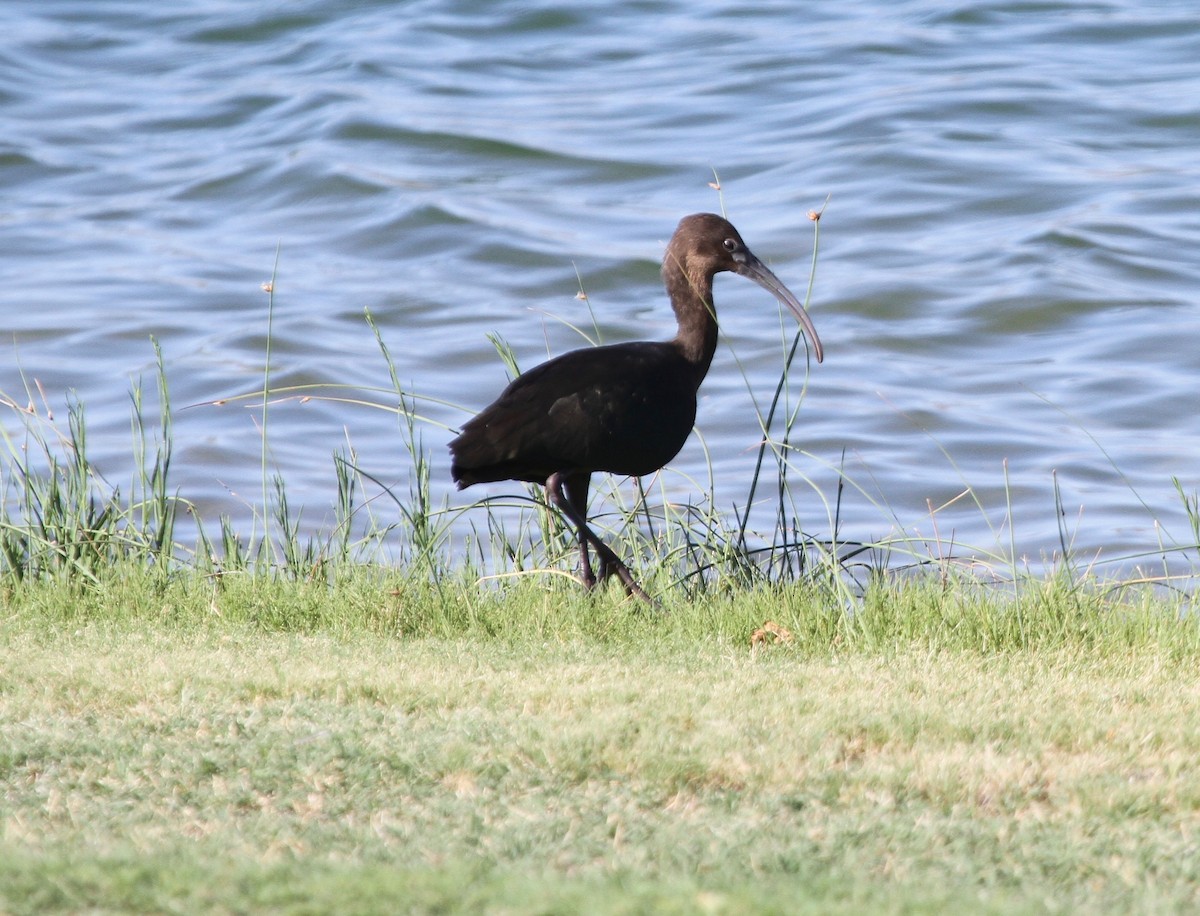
(691, 298)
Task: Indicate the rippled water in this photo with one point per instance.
(1007, 278)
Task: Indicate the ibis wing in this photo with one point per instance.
(627, 408)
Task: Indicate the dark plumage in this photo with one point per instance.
(626, 408)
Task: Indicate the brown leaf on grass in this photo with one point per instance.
(771, 633)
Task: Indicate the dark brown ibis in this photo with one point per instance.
(626, 408)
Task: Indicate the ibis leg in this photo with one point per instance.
(575, 509)
(576, 490)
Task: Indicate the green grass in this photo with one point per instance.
(304, 750)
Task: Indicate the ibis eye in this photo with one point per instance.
(730, 245)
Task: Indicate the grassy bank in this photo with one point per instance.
(300, 749)
(417, 711)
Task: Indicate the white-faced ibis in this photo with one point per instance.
(626, 408)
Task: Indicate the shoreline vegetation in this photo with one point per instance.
(382, 717)
(60, 518)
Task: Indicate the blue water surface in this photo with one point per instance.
(1005, 287)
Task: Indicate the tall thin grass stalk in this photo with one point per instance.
(787, 530)
(264, 456)
(1191, 508)
(155, 506)
(780, 387)
(425, 534)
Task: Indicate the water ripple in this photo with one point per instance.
(1006, 285)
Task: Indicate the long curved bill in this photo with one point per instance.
(754, 269)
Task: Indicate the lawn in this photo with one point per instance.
(541, 751)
